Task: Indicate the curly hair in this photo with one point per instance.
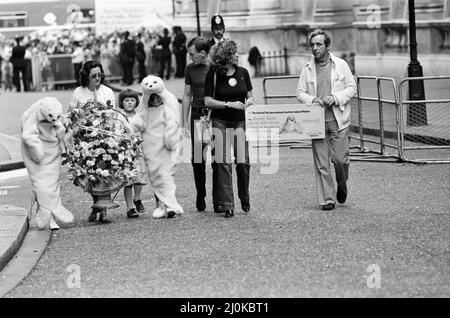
(86, 69)
(128, 93)
(222, 55)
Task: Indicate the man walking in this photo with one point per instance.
(166, 54)
(127, 55)
(179, 50)
(19, 65)
(194, 90)
(328, 81)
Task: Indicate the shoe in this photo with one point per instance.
(103, 217)
(132, 214)
(171, 214)
(201, 204)
(341, 196)
(93, 216)
(328, 207)
(159, 213)
(139, 206)
(217, 209)
(245, 206)
(53, 225)
(229, 213)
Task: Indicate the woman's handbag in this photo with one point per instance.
(206, 124)
(206, 128)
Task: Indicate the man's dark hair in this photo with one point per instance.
(200, 43)
(315, 33)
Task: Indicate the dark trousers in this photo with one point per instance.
(229, 135)
(76, 69)
(16, 77)
(142, 71)
(127, 69)
(180, 59)
(165, 61)
(198, 159)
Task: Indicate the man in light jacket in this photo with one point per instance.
(328, 81)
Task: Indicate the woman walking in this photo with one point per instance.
(228, 91)
(92, 89)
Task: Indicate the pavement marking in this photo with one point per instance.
(23, 262)
(10, 187)
(13, 174)
(9, 137)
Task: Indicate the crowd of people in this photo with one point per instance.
(117, 51)
(216, 85)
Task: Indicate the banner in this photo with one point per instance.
(119, 15)
(285, 122)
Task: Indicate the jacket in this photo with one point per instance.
(343, 88)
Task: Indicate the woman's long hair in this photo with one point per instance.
(222, 55)
(86, 69)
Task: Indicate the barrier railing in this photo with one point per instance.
(289, 86)
(274, 63)
(420, 129)
(375, 122)
(373, 125)
(58, 69)
(425, 124)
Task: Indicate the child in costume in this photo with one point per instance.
(128, 101)
(160, 110)
(42, 145)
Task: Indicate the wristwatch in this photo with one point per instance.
(226, 105)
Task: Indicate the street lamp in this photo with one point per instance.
(416, 113)
(198, 18)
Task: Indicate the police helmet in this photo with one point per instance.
(217, 22)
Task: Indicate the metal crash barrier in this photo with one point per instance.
(51, 70)
(425, 124)
(284, 87)
(373, 122)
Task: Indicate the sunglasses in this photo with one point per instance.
(97, 75)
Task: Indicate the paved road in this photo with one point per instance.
(396, 218)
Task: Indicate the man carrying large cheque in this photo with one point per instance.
(328, 81)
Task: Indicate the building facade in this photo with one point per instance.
(376, 31)
(20, 17)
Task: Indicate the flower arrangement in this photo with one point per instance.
(103, 151)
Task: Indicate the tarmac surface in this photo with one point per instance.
(394, 223)
(396, 217)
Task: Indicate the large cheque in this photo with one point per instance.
(285, 122)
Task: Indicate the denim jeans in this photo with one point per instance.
(229, 135)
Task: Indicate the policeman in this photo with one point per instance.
(218, 29)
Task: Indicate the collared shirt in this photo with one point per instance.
(343, 88)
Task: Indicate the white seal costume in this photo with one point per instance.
(42, 145)
(161, 139)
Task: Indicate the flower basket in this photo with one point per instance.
(102, 189)
(103, 154)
